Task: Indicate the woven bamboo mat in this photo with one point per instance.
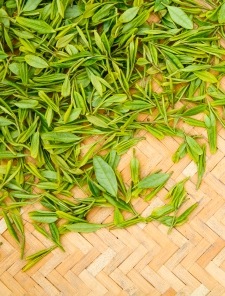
(140, 260)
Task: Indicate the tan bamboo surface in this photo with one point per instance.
(143, 259)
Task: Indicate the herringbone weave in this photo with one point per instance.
(140, 260)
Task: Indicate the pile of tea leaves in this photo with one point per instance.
(75, 76)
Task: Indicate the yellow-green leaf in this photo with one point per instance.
(180, 17)
(36, 61)
(38, 26)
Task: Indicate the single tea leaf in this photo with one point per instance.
(159, 4)
(211, 127)
(10, 155)
(66, 87)
(194, 146)
(162, 211)
(35, 61)
(5, 121)
(27, 104)
(97, 121)
(38, 26)
(4, 18)
(206, 76)
(85, 227)
(221, 14)
(60, 137)
(43, 216)
(105, 175)
(128, 15)
(31, 5)
(154, 180)
(180, 17)
(120, 204)
(185, 215)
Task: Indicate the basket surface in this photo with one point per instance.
(140, 260)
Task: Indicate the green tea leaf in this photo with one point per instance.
(221, 14)
(105, 175)
(154, 180)
(118, 203)
(206, 76)
(162, 211)
(201, 166)
(10, 155)
(54, 233)
(97, 121)
(3, 55)
(85, 227)
(60, 137)
(115, 99)
(66, 87)
(68, 217)
(26, 104)
(96, 83)
(34, 148)
(180, 153)
(43, 216)
(194, 146)
(73, 11)
(36, 61)
(185, 215)
(159, 4)
(118, 217)
(31, 5)
(5, 121)
(35, 258)
(65, 40)
(128, 15)
(38, 26)
(194, 111)
(10, 226)
(134, 167)
(211, 127)
(4, 18)
(180, 17)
